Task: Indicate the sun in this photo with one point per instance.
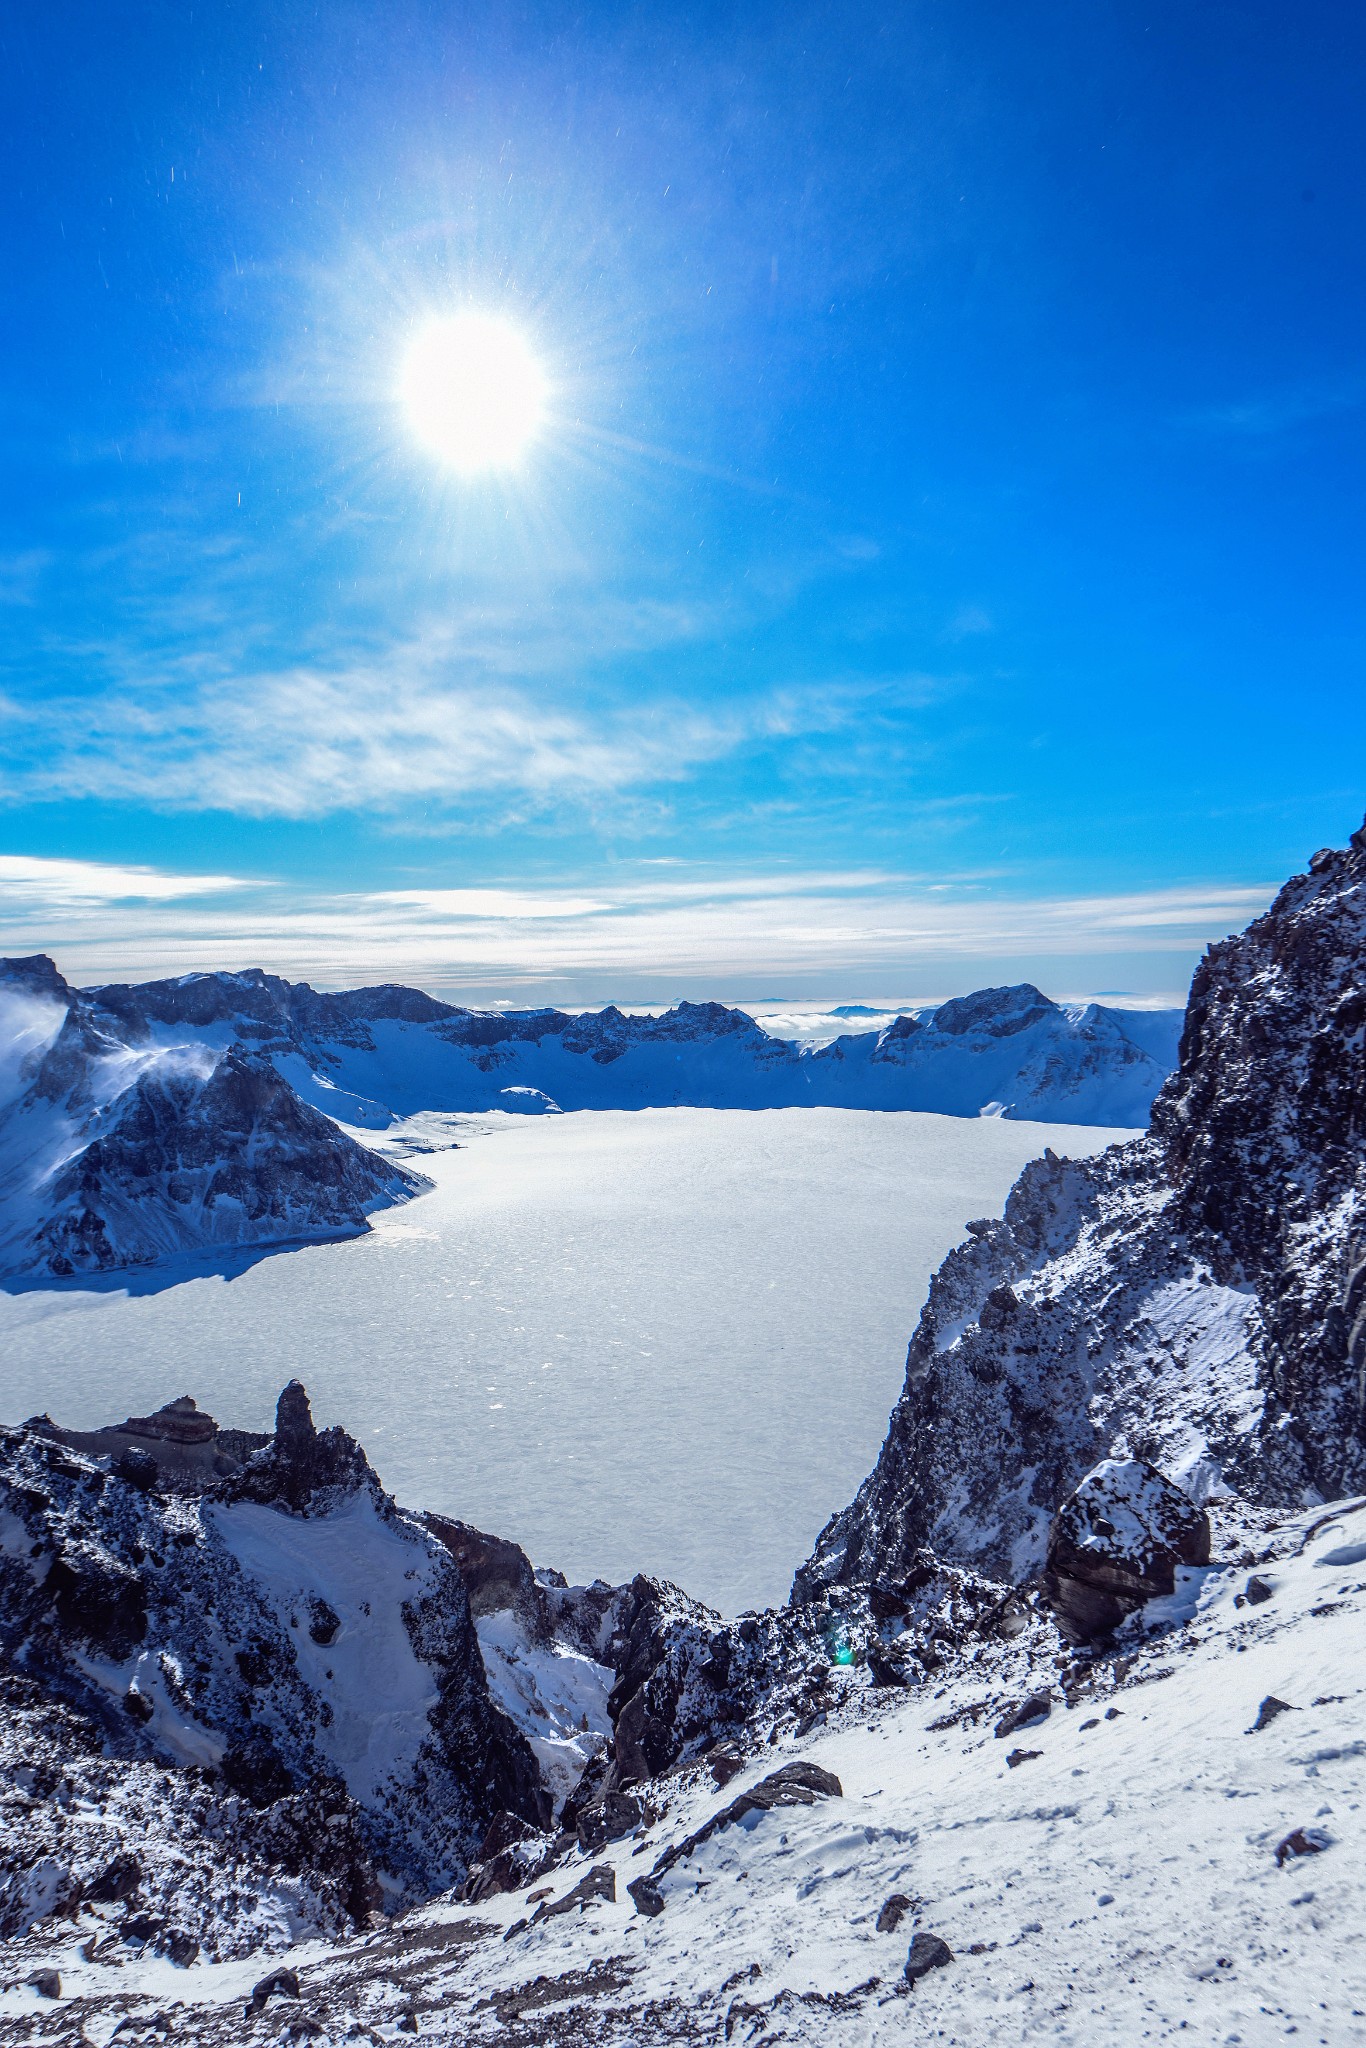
(473, 391)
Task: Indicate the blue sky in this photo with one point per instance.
(941, 563)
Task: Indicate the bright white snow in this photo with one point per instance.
(662, 1340)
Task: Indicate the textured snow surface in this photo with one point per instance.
(660, 1342)
(1119, 1885)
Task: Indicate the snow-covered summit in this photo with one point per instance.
(369, 1054)
(121, 1149)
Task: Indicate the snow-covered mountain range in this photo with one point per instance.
(1056, 1740)
(173, 1116)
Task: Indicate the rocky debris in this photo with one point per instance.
(1267, 1712)
(1302, 1842)
(1257, 1591)
(1194, 1299)
(608, 1819)
(892, 1912)
(279, 1984)
(1021, 1756)
(927, 1952)
(1116, 1542)
(512, 1855)
(597, 1887)
(725, 1760)
(47, 1983)
(1029, 1713)
(647, 1897)
(796, 1784)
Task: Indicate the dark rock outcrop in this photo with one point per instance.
(210, 1617)
(1115, 1543)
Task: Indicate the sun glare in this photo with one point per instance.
(473, 391)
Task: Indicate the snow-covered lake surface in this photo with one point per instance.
(663, 1340)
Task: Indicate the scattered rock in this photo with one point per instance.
(927, 1952)
(599, 1884)
(1028, 1714)
(609, 1819)
(893, 1912)
(648, 1898)
(117, 1881)
(1302, 1842)
(796, 1784)
(46, 1983)
(1267, 1712)
(279, 1984)
(1021, 1756)
(1257, 1591)
(1116, 1542)
(725, 1760)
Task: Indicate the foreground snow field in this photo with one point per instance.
(1152, 1866)
(591, 1325)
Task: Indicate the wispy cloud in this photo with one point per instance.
(442, 719)
(699, 931)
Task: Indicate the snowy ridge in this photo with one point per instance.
(368, 1055)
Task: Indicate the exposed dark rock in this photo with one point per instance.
(892, 1912)
(927, 1952)
(1028, 1714)
(796, 1784)
(648, 1898)
(47, 1983)
(1257, 1591)
(1116, 1542)
(598, 1887)
(279, 1984)
(1268, 1711)
(1302, 1842)
(608, 1820)
(301, 1468)
(1021, 1756)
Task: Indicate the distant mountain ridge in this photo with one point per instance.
(139, 1120)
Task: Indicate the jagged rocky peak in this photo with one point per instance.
(37, 975)
(302, 1468)
(1195, 1299)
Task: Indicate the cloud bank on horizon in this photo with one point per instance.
(933, 561)
(743, 936)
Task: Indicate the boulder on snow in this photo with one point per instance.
(1027, 1714)
(1302, 1842)
(927, 1952)
(893, 1912)
(1116, 1542)
(608, 1819)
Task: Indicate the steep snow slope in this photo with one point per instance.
(119, 1155)
(1196, 1298)
(369, 1054)
(1152, 1863)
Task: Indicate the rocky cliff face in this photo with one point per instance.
(1196, 1299)
(259, 1612)
(119, 1155)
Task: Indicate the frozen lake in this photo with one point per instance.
(663, 1340)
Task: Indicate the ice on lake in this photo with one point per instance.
(658, 1340)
